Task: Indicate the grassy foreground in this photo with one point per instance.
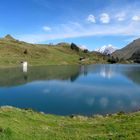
(17, 124)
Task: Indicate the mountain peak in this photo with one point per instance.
(9, 37)
(106, 49)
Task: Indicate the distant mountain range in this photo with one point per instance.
(106, 49)
(130, 52)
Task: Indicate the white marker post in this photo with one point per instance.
(25, 66)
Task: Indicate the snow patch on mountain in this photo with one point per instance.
(106, 49)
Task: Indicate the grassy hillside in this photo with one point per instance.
(17, 124)
(12, 52)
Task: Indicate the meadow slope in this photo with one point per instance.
(17, 124)
(13, 51)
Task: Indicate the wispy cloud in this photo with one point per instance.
(105, 23)
(120, 16)
(136, 18)
(71, 30)
(46, 28)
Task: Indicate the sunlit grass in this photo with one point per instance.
(17, 124)
(12, 52)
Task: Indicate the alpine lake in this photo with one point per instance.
(66, 90)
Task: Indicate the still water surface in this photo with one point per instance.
(65, 90)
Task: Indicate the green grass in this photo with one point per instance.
(17, 124)
(12, 53)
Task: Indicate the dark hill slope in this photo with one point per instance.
(129, 52)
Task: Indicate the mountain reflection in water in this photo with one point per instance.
(64, 90)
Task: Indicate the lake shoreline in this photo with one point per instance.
(23, 124)
(20, 66)
(72, 115)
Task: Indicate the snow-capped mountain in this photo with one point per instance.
(106, 49)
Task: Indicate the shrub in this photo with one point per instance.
(75, 47)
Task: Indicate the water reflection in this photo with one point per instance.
(63, 90)
(15, 76)
(107, 71)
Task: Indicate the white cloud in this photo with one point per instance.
(75, 29)
(136, 18)
(91, 18)
(121, 19)
(46, 28)
(72, 30)
(121, 16)
(104, 18)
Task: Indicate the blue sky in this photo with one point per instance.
(91, 23)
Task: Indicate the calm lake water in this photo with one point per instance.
(65, 90)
